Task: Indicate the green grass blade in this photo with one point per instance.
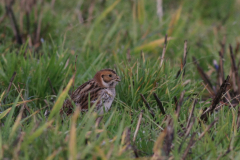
(98, 20)
(38, 132)
(58, 105)
(1, 145)
(112, 30)
(9, 118)
(4, 113)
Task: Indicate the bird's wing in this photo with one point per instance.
(81, 90)
(82, 93)
(78, 96)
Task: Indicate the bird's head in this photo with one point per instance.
(107, 78)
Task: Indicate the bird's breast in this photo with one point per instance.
(107, 98)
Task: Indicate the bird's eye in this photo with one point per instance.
(110, 75)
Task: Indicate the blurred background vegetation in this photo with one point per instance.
(88, 28)
(39, 40)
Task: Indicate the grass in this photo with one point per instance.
(127, 37)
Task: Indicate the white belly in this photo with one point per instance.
(107, 100)
(108, 104)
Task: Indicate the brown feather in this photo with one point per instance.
(98, 89)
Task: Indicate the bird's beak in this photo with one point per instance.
(118, 79)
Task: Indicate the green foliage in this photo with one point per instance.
(38, 70)
(109, 33)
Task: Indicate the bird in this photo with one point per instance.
(100, 90)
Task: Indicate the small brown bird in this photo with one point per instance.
(101, 90)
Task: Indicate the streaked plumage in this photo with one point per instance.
(101, 90)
